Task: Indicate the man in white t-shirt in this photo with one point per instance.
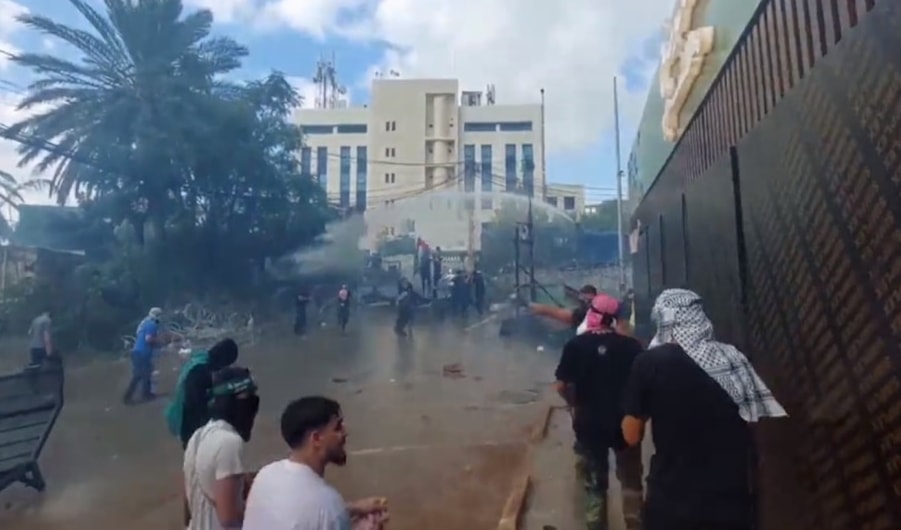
(215, 477)
(291, 494)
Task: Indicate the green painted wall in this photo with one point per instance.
(650, 150)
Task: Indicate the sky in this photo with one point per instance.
(570, 48)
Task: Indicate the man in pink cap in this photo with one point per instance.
(592, 377)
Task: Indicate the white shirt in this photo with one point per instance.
(289, 496)
(214, 452)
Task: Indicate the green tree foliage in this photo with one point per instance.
(554, 234)
(187, 181)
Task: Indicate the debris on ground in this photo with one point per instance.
(454, 371)
(339, 380)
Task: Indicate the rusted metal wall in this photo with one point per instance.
(781, 205)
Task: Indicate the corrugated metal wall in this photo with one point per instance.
(781, 205)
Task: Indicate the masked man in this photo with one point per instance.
(701, 395)
(216, 479)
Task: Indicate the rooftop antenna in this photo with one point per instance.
(489, 95)
(328, 91)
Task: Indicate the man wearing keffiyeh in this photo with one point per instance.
(700, 395)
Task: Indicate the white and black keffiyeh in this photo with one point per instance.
(680, 319)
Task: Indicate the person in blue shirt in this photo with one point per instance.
(147, 338)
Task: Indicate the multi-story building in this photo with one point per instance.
(567, 197)
(424, 160)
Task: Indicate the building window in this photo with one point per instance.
(306, 162)
(387, 152)
(486, 173)
(344, 181)
(552, 201)
(362, 172)
(528, 169)
(393, 126)
(486, 204)
(317, 129)
(322, 167)
(469, 168)
(510, 166)
(479, 126)
(515, 126)
(569, 203)
(393, 153)
(352, 128)
(389, 178)
(387, 126)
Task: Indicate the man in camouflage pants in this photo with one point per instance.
(593, 472)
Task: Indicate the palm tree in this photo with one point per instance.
(11, 197)
(115, 118)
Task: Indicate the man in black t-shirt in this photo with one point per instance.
(701, 395)
(699, 476)
(570, 317)
(592, 377)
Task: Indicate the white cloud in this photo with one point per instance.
(227, 11)
(306, 88)
(571, 48)
(9, 99)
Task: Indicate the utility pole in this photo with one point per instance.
(619, 192)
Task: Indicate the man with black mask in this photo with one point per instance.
(197, 384)
(216, 479)
(570, 317)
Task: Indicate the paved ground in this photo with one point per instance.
(556, 496)
(444, 450)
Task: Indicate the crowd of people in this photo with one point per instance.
(699, 394)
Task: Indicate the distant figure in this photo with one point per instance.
(425, 267)
(405, 303)
(343, 307)
(300, 313)
(478, 290)
(460, 293)
(148, 337)
(436, 271)
(40, 339)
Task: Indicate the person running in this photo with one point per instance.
(701, 395)
(343, 307)
(40, 339)
(591, 378)
(216, 480)
(292, 494)
(148, 337)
